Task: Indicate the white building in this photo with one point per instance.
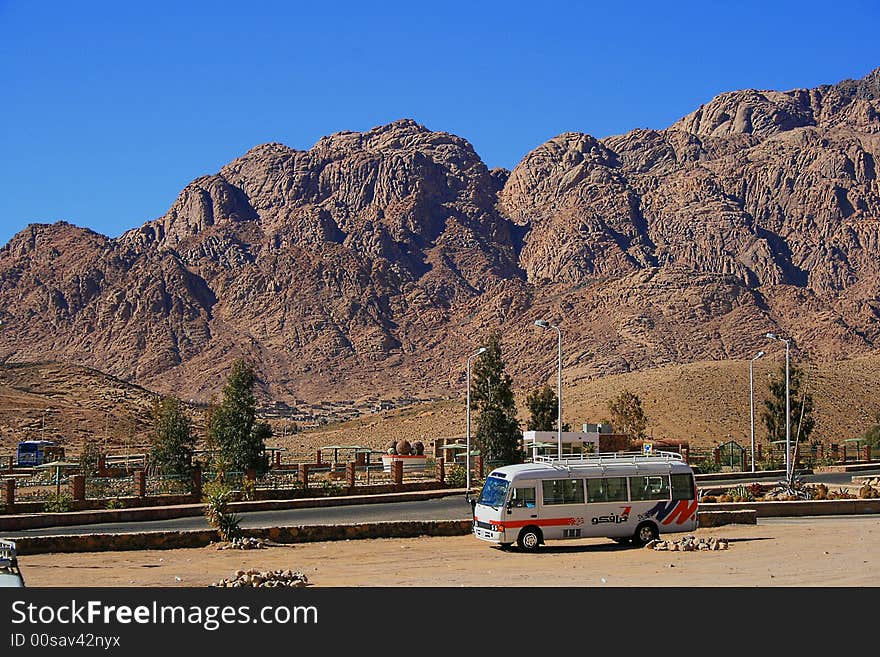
(546, 443)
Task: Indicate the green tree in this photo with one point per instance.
(627, 415)
(872, 435)
(498, 432)
(88, 459)
(171, 440)
(234, 428)
(543, 406)
(801, 420)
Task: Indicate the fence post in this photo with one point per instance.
(843, 453)
(820, 451)
(717, 453)
(686, 453)
(102, 465)
(197, 481)
(277, 459)
(351, 470)
(11, 464)
(9, 495)
(758, 452)
(397, 471)
(303, 471)
(867, 452)
(78, 488)
(319, 461)
(140, 483)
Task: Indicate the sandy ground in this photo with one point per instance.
(823, 552)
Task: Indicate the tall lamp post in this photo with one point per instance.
(467, 456)
(43, 424)
(788, 472)
(752, 402)
(544, 324)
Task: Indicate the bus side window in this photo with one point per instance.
(682, 486)
(523, 497)
(615, 488)
(596, 490)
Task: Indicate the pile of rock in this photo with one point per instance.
(263, 579)
(244, 543)
(688, 544)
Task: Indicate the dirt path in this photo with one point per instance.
(821, 552)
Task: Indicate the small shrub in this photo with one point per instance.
(740, 494)
(819, 492)
(725, 498)
(248, 489)
(709, 498)
(58, 503)
(868, 492)
(114, 503)
(457, 477)
(217, 513)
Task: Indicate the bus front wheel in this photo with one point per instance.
(529, 539)
(645, 533)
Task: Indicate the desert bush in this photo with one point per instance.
(868, 492)
(217, 497)
(740, 494)
(457, 477)
(58, 503)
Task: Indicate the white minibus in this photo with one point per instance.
(628, 497)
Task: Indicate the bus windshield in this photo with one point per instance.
(494, 491)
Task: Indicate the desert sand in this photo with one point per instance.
(815, 552)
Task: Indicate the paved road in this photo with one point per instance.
(444, 508)
(825, 477)
(453, 507)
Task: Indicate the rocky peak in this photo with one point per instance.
(375, 259)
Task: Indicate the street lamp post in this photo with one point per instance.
(43, 425)
(467, 456)
(544, 324)
(752, 402)
(788, 471)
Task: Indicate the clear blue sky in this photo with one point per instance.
(110, 108)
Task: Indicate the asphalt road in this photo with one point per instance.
(825, 477)
(444, 508)
(453, 507)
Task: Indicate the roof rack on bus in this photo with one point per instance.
(600, 457)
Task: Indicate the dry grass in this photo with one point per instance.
(701, 403)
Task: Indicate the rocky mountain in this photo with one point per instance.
(378, 261)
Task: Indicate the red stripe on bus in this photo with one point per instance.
(682, 512)
(549, 522)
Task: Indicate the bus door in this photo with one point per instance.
(521, 508)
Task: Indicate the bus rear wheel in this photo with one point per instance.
(645, 533)
(529, 539)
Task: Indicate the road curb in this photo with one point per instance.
(167, 540)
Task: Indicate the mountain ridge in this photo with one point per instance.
(381, 259)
